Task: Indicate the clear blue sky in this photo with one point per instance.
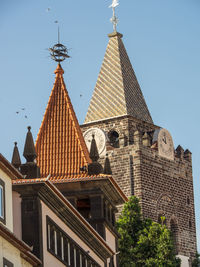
(162, 39)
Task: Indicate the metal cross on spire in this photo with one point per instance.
(114, 19)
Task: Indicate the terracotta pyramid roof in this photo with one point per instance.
(60, 145)
(117, 91)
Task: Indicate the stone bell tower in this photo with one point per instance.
(142, 155)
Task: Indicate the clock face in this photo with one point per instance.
(100, 139)
(165, 144)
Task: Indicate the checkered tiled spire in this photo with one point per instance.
(117, 91)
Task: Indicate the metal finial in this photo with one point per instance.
(58, 35)
(114, 18)
(59, 52)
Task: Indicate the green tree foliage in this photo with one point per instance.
(196, 261)
(143, 242)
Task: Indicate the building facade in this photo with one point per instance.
(13, 251)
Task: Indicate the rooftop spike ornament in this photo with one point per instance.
(114, 18)
(59, 52)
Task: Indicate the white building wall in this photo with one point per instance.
(17, 218)
(49, 259)
(184, 260)
(110, 240)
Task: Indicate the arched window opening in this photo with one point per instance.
(113, 138)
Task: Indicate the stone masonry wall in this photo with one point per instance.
(165, 187)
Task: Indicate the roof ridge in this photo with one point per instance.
(126, 82)
(45, 114)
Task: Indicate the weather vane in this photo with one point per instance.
(114, 19)
(59, 52)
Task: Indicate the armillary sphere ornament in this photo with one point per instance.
(59, 52)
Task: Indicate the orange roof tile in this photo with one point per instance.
(81, 177)
(72, 179)
(59, 179)
(60, 145)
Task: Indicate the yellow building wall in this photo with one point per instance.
(8, 200)
(12, 254)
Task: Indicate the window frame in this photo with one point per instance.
(3, 206)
